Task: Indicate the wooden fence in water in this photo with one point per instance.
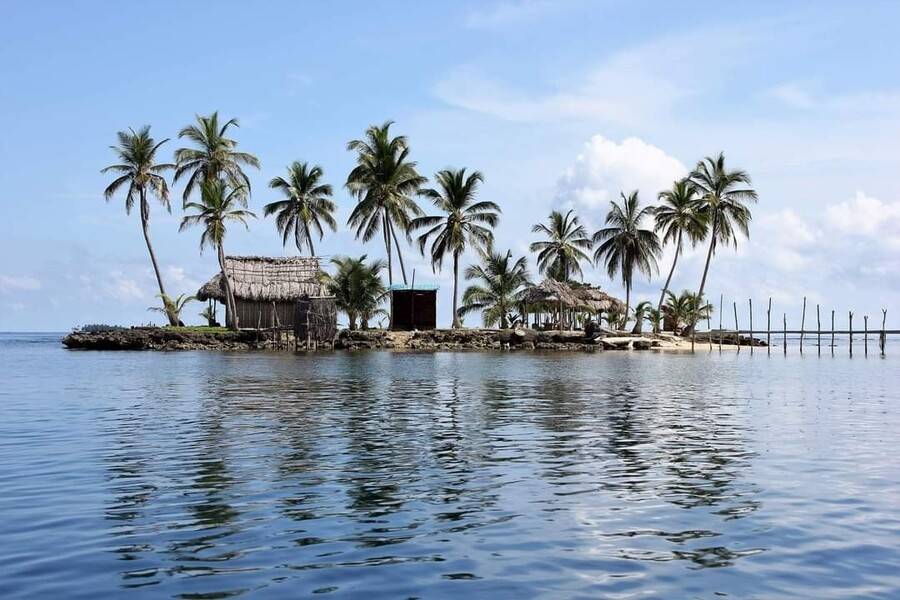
(818, 333)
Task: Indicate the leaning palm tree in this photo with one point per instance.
(138, 168)
(678, 216)
(722, 197)
(624, 246)
(641, 312)
(561, 254)
(466, 223)
(384, 182)
(501, 280)
(218, 205)
(306, 205)
(214, 157)
(357, 288)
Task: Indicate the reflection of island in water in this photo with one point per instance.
(367, 461)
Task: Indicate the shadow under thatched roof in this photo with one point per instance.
(267, 279)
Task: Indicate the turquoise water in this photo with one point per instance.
(613, 475)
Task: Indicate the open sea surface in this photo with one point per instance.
(411, 475)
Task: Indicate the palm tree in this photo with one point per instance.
(307, 204)
(463, 225)
(384, 182)
(641, 312)
(501, 280)
(357, 288)
(218, 205)
(209, 313)
(214, 157)
(561, 254)
(722, 204)
(655, 316)
(676, 216)
(138, 168)
(685, 309)
(623, 245)
(173, 307)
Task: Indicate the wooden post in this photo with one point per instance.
(785, 335)
(851, 332)
(709, 327)
(751, 326)
(883, 338)
(818, 330)
(769, 327)
(721, 309)
(866, 335)
(802, 324)
(737, 329)
(832, 332)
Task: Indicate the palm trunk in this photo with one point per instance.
(399, 253)
(312, 249)
(387, 247)
(709, 254)
(456, 323)
(145, 226)
(662, 296)
(231, 319)
(627, 304)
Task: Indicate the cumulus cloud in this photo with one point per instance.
(12, 283)
(605, 168)
(865, 215)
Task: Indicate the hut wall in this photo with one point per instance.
(315, 318)
(252, 314)
(414, 310)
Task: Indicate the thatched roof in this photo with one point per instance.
(266, 279)
(583, 297)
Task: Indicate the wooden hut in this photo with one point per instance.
(268, 290)
(413, 306)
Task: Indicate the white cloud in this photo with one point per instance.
(630, 87)
(865, 215)
(12, 283)
(606, 168)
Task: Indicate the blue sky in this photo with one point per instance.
(560, 104)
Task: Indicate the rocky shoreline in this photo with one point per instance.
(161, 338)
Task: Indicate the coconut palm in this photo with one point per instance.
(641, 313)
(466, 222)
(678, 216)
(140, 171)
(501, 280)
(357, 288)
(624, 246)
(219, 204)
(561, 254)
(214, 157)
(685, 309)
(384, 182)
(723, 198)
(172, 307)
(209, 313)
(655, 316)
(306, 205)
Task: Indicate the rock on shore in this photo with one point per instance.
(160, 338)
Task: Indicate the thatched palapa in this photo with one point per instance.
(577, 297)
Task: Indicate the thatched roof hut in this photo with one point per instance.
(577, 297)
(267, 279)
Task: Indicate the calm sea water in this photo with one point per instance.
(390, 475)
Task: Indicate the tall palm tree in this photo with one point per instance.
(138, 168)
(214, 157)
(357, 288)
(623, 245)
(384, 182)
(678, 216)
(723, 198)
(561, 254)
(219, 204)
(463, 224)
(307, 204)
(501, 280)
